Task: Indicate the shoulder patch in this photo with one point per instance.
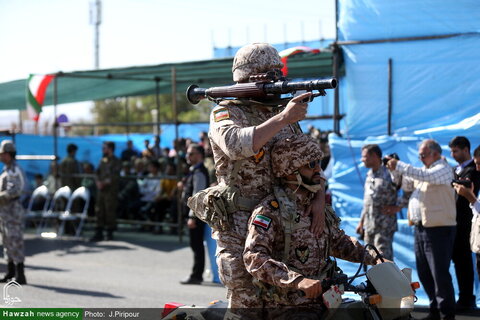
(302, 254)
(274, 204)
(262, 221)
(259, 156)
(221, 114)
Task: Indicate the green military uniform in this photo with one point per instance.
(108, 173)
(68, 167)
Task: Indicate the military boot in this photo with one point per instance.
(10, 272)
(20, 274)
(98, 236)
(109, 235)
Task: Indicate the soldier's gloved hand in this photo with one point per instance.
(296, 109)
(311, 287)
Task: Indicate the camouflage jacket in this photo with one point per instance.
(11, 187)
(379, 191)
(307, 255)
(232, 126)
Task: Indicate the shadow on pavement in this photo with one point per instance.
(77, 292)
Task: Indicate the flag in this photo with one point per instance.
(36, 89)
(285, 54)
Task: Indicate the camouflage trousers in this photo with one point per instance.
(12, 238)
(383, 241)
(243, 301)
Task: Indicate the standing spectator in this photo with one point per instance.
(196, 180)
(471, 196)
(129, 152)
(376, 224)
(68, 167)
(108, 174)
(462, 255)
(11, 213)
(147, 152)
(432, 210)
(156, 149)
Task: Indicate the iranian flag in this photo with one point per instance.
(285, 54)
(36, 90)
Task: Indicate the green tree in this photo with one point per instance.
(136, 110)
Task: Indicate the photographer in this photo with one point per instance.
(469, 194)
(462, 255)
(431, 209)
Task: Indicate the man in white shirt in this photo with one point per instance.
(432, 210)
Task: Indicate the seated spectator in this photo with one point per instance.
(128, 193)
(129, 152)
(149, 190)
(53, 180)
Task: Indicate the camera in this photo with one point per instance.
(466, 183)
(391, 155)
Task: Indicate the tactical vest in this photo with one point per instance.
(288, 209)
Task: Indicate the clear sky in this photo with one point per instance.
(45, 36)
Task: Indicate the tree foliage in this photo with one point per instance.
(136, 110)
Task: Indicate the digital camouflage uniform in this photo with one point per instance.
(307, 255)
(379, 228)
(108, 172)
(11, 213)
(231, 136)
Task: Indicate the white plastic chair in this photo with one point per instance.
(80, 193)
(35, 216)
(58, 206)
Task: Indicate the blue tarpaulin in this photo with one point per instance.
(434, 47)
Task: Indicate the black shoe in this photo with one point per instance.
(10, 272)
(109, 236)
(463, 306)
(20, 274)
(98, 236)
(190, 280)
(432, 316)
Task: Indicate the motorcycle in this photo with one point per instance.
(387, 294)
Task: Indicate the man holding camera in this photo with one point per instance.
(378, 221)
(431, 209)
(462, 255)
(469, 193)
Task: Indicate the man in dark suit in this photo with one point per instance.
(462, 255)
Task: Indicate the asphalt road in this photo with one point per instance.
(136, 270)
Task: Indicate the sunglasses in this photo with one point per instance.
(313, 164)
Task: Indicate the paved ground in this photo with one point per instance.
(137, 270)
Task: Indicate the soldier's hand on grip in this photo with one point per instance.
(296, 108)
(311, 287)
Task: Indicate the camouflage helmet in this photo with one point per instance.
(253, 59)
(7, 146)
(292, 152)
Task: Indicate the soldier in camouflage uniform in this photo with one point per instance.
(68, 167)
(378, 222)
(108, 176)
(281, 252)
(241, 133)
(11, 214)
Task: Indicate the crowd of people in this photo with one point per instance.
(259, 182)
